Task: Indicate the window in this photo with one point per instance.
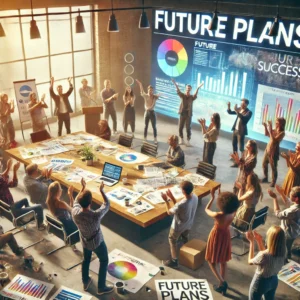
(60, 53)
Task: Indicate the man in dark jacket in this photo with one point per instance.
(239, 127)
(62, 105)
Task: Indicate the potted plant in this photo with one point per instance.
(87, 154)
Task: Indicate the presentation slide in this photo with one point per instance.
(239, 60)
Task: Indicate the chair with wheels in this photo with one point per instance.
(257, 220)
(57, 228)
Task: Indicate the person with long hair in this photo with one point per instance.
(60, 209)
(103, 130)
(272, 150)
(269, 262)
(253, 193)
(210, 136)
(35, 109)
(218, 249)
(292, 177)
(7, 128)
(246, 164)
(129, 111)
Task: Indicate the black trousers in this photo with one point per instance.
(64, 118)
(238, 139)
(209, 151)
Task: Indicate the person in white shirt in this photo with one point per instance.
(150, 101)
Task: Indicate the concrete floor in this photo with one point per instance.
(155, 247)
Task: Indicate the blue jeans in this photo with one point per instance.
(21, 207)
(263, 286)
(102, 254)
(150, 116)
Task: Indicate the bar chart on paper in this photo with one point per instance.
(26, 288)
(273, 103)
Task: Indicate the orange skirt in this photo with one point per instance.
(218, 248)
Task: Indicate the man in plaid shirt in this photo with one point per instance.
(88, 222)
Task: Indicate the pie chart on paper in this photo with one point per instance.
(172, 57)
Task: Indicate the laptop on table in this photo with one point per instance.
(111, 174)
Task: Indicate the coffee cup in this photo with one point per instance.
(120, 287)
(127, 201)
(124, 180)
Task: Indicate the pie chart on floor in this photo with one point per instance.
(122, 270)
(172, 57)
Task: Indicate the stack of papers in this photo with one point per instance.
(77, 174)
(153, 172)
(58, 164)
(196, 179)
(119, 194)
(156, 198)
(140, 208)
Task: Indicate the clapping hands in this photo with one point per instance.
(202, 122)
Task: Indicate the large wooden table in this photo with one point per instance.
(129, 170)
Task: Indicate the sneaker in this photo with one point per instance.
(42, 227)
(105, 290)
(234, 165)
(188, 144)
(264, 180)
(133, 134)
(272, 184)
(86, 285)
(181, 141)
(155, 141)
(171, 263)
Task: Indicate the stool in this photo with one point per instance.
(192, 254)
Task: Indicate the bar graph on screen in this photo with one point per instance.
(273, 103)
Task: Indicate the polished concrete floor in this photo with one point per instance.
(119, 234)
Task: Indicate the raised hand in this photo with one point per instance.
(169, 194)
(264, 124)
(271, 194)
(250, 236)
(238, 185)
(49, 173)
(16, 166)
(70, 80)
(52, 80)
(83, 183)
(257, 236)
(213, 192)
(70, 190)
(9, 164)
(279, 189)
(165, 197)
(228, 104)
(101, 187)
(200, 85)
(235, 107)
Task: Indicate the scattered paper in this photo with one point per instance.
(65, 293)
(156, 198)
(152, 172)
(140, 208)
(39, 160)
(196, 179)
(30, 152)
(119, 194)
(143, 188)
(58, 164)
(290, 274)
(53, 149)
(77, 174)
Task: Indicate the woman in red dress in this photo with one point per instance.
(218, 249)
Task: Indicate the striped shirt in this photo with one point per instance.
(88, 223)
(267, 264)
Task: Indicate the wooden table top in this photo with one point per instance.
(129, 170)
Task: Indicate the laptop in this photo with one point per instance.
(111, 174)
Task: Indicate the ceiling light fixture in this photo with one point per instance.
(112, 25)
(144, 23)
(79, 23)
(213, 25)
(34, 30)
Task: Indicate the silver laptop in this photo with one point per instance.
(111, 174)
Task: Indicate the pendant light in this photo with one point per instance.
(275, 26)
(213, 25)
(144, 23)
(112, 25)
(34, 30)
(79, 23)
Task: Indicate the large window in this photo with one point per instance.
(60, 53)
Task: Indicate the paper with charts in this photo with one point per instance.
(65, 293)
(26, 288)
(131, 157)
(119, 194)
(196, 179)
(132, 271)
(290, 274)
(156, 198)
(140, 208)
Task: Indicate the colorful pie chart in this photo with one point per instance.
(128, 157)
(123, 270)
(172, 57)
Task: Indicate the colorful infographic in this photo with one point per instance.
(131, 158)
(26, 288)
(123, 270)
(65, 293)
(172, 57)
(239, 60)
(290, 274)
(133, 271)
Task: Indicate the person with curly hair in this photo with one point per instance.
(103, 131)
(218, 249)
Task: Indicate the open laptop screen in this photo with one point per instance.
(112, 171)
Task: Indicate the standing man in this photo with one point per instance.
(150, 101)
(88, 222)
(184, 214)
(109, 96)
(239, 127)
(86, 93)
(186, 111)
(62, 105)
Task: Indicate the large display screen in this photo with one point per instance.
(238, 60)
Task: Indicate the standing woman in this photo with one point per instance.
(269, 262)
(129, 111)
(246, 165)
(7, 128)
(60, 209)
(35, 108)
(253, 193)
(292, 177)
(210, 136)
(218, 250)
(272, 150)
